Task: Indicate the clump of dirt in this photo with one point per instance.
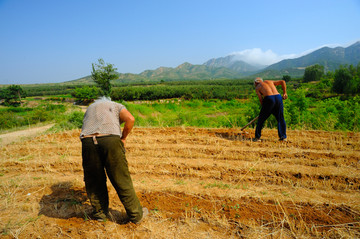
(177, 205)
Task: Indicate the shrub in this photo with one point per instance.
(85, 93)
(76, 118)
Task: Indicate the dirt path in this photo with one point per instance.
(83, 108)
(21, 134)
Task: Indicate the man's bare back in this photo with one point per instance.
(267, 88)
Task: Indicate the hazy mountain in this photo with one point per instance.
(330, 58)
(233, 64)
(185, 71)
(189, 71)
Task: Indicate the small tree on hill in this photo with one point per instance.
(103, 74)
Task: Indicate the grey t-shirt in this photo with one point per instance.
(102, 117)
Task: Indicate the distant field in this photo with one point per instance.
(197, 183)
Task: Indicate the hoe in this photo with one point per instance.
(252, 121)
(245, 135)
(238, 136)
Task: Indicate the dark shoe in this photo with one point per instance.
(145, 214)
(256, 140)
(283, 139)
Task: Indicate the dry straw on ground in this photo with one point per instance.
(197, 183)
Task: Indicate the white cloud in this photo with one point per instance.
(257, 56)
(260, 57)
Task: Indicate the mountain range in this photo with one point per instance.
(229, 67)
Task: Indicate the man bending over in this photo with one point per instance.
(271, 103)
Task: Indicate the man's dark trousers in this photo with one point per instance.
(272, 104)
(108, 153)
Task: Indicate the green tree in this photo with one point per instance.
(103, 73)
(346, 80)
(329, 75)
(286, 78)
(12, 94)
(313, 73)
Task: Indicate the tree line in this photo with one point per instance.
(345, 80)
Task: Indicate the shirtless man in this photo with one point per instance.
(271, 103)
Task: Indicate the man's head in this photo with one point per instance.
(103, 98)
(257, 81)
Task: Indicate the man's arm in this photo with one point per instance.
(283, 86)
(259, 95)
(128, 118)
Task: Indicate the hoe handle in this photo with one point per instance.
(252, 121)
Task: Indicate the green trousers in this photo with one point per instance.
(102, 154)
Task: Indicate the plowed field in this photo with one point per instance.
(197, 183)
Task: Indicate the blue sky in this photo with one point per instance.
(44, 41)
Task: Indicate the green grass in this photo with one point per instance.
(65, 115)
(300, 112)
(197, 113)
